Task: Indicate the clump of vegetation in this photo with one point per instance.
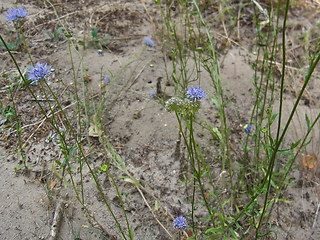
(239, 201)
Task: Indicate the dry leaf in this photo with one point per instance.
(52, 184)
(310, 161)
(94, 131)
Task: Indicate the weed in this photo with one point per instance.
(236, 199)
(56, 34)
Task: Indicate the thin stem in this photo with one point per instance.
(78, 113)
(198, 172)
(213, 70)
(121, 202)
(189, 153)
(278, 142)
(18, 127)
(24, 42)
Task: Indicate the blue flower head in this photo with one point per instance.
(149, 42)
(247, 128)
(16, 14)
(38, 72)
(180, 222)
(195, 93)
(106, 79)
(152, 93)
(100, 52)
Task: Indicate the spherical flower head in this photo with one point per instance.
(152, 93)
(106, 79)
(180, 222)
(149, 42)
(16, 14)
(247, 128)
(195, 93)
(38, 72)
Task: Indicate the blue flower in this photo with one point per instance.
(247, 128)
(195, 93)
(38, 72)
(180, 222)
(152, 93)
(149, 42)
(106, 79)
(16, 14)
(100, 52)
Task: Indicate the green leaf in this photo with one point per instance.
(59, 30)
(104, 167)
(68, 35)
(287, 152)
(156, 207)
(11, 46)
(216, 133)
(81, 43)
(294, 145)
(273, 118)
(283, 200)
(94, 33)
(131, 232)
(307, 121)
(234, 233)
(214, 230)
(216, 102)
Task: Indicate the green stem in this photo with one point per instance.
(278, 141)
(121, 202)
(189, 154)
(198, 171)
(25, 43)
(78, 113)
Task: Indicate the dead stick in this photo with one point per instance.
(144, 199)
(315, 217)
(56, 221)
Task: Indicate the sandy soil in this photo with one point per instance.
(143, 133)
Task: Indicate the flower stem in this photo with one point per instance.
(25, 43)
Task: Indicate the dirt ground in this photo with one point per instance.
(141, 130)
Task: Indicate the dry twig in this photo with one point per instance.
(56, 221)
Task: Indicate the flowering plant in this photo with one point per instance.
(180, 222)
(149, 42)
(38, 72)
(16, 14)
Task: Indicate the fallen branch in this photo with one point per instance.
(56, 221)
(315, 217)
(144, 199)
